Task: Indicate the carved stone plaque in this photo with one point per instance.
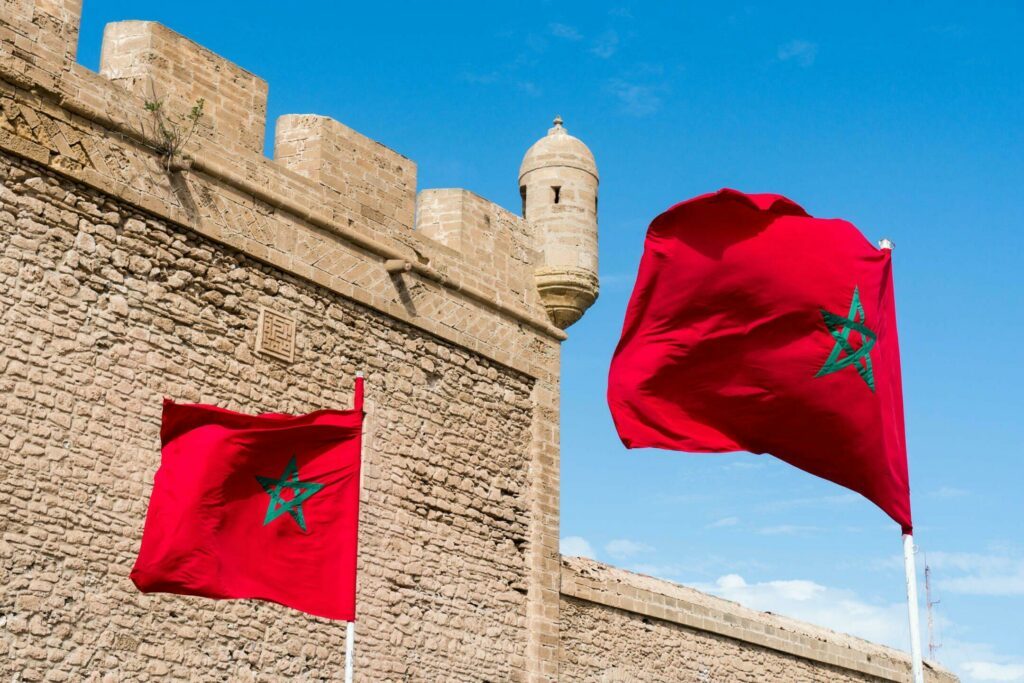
(275, 335)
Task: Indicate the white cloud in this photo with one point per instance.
(605, 45)
(724, 522)
(801, 51)
(978, 574)
(979, 662)
(835, 608)
(623, 548)
(576, 546)
(985, 585)
(990, 671)
(877, 621)
(948, 492)
(881, 622)
(636, 99)
(564, 31)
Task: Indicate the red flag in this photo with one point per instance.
(754, 326)
(256, 506)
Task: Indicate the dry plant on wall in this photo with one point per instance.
(168, 135)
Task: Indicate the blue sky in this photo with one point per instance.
(905, 119)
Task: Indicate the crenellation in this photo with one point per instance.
(498, 243)
(158, 64)
(343, 181)
(359, 175)
(39, 38)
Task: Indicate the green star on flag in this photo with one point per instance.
(301, 491)
(840, 328)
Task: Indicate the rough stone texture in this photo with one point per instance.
(106, 310)
(617, 626)
(604, 645)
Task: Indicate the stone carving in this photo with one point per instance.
(276, 335)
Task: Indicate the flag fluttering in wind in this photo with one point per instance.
(754, 326)
(256, 506)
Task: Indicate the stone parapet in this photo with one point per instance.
(358, 174)
(160, 65)
(498, 242)
(743, 644)
(38, 39)
(328, 177)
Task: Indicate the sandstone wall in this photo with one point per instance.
(130, 275)
(618, 627)
(105, 310)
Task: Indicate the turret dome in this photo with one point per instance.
(558, 149)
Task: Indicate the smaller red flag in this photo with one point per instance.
(256, 506)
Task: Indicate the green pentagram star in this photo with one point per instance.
(840, 328)
(301, 491)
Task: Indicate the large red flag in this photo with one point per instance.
(256, 506)
(754, 326)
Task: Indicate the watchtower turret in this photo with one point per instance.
(558, 183)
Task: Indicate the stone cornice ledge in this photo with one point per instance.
(600, 584)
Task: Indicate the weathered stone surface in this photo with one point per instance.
(442, 587)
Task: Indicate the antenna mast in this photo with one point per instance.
(932, 644)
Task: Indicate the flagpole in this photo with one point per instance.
(910, 570)
(350, 644)
(917, 666)
(350, 628)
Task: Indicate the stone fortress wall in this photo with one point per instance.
(262, 285)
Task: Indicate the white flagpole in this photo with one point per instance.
(350, 644)
(350, 628)
(917, 666)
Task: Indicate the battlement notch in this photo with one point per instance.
(39, 38)
(158, 64)
(360, 174)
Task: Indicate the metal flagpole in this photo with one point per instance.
(350, 644)
(350, 628)
(916, 665)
